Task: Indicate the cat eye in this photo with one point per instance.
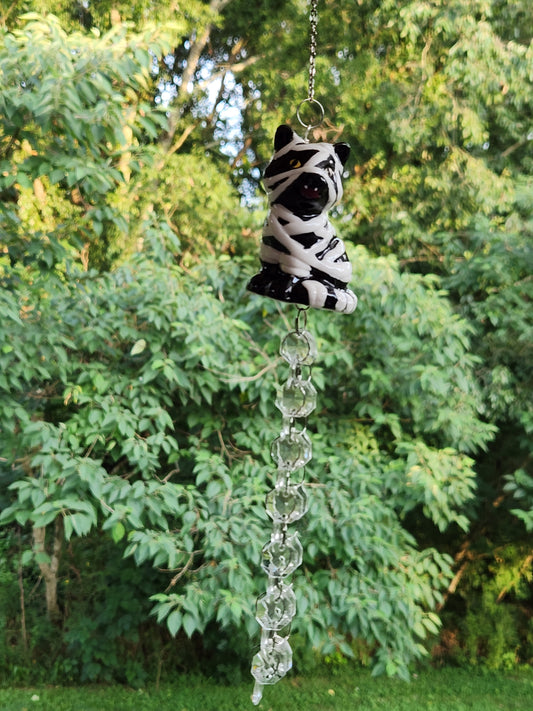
(295, 163)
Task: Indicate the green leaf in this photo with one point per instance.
(42, 558)
(118, 532)
(189, 624)
(138, 347)
(174, 622)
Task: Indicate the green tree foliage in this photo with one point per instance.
(73, 110)
(144, 417)
(137, 376)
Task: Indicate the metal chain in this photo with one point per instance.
(310, 112)
(313, 21)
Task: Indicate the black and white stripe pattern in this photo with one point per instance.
(302, 259)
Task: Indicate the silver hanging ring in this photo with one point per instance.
(318, 109)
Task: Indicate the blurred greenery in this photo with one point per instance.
(326, 691)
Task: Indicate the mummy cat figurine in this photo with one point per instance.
(302, 259)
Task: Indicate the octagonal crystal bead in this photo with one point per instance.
(281, 556)
(273, 661)
(297, 398)
(298, 348)
(291, 450)
(276, 608)
(286, 504)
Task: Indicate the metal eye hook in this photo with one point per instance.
(297, 326)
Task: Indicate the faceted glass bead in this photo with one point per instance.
(298, 348)
(273, 661)
(297, 398)
(286, 504)
(291, 450)
(282, 557)
(276, 608)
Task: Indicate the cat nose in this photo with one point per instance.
(313, 185)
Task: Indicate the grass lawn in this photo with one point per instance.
(431, 690)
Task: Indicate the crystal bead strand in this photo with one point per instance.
(285, 504)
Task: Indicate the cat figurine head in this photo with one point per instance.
(305, 177)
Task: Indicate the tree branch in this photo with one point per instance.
(23, 628)
(195, 52)
(181, 572)
(49, 568)
(527, 562)
(465, 556)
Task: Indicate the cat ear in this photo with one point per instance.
(343, 151)
(284, 135)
